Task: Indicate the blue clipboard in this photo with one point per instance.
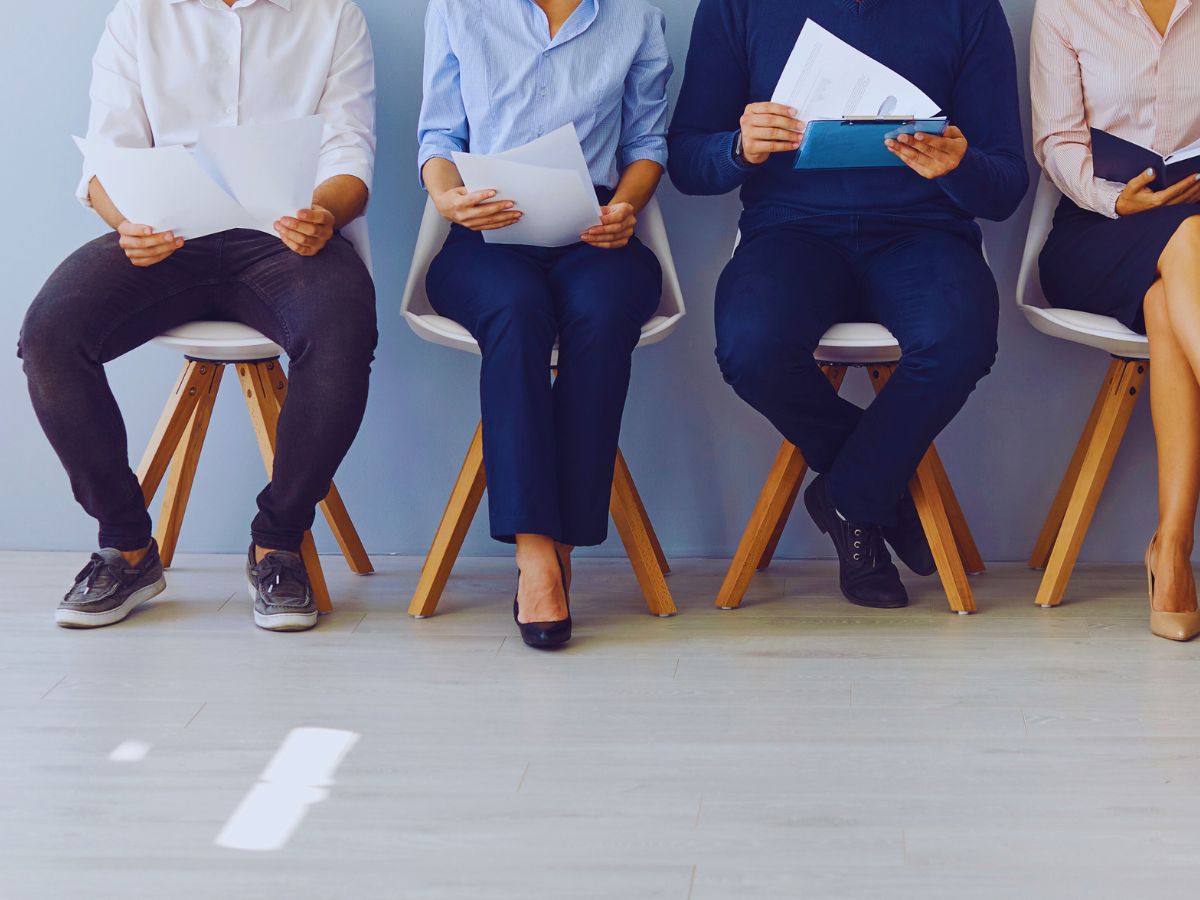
(857, 143)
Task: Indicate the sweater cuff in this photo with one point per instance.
(732, 172)
(960, 181)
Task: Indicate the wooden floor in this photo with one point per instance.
(798, 747)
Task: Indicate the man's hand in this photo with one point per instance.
(769, 128)
(308, 232)
(143, 246)
(1137, 197)
(616, 227)
(930, 155)
(471, 211)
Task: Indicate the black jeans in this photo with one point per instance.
(98, 306)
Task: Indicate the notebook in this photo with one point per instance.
(1116, 159)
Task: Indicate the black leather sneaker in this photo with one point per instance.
(108, 589)
(282, 595)
(908, 538)
(867, 575)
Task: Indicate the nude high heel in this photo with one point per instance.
(1174, 626)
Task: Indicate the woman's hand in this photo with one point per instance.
(1137, 197)
(769, 128)
(616, 227)
(471, 211)
(143, 246)
(930, 155)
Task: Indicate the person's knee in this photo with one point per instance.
(46, 336)
(342, 327)
(752, 356)
(1185, 241)
(953, 358)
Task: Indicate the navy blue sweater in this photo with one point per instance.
(959, 52)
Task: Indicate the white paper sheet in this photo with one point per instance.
(547, 180)
(270, 169)
(826, 78)
(244, 176)
(165, 188)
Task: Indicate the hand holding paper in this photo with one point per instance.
(546, 180)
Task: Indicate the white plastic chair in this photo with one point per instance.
(868, 345)
(1066, 526)
(207, 348)
(637, 534)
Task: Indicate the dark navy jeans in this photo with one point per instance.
(548, 447)
(98, 306)
(925, 280)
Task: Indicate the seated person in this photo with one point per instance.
(499, 75)
(1122, 250)
(891, 245)
(163, 71)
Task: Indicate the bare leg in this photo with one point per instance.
(1175, 406)
(540, 591)
(564, 554)
(1173, 303)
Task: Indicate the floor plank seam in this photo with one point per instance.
(521, 783)
(56, 684)
(200, 710)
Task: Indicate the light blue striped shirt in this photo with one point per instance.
(494, 80)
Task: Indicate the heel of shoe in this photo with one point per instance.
(814, 512)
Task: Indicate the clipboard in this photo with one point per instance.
(857, 142)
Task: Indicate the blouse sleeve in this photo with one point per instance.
(1061, 140)
(644, 106)
(442, 124)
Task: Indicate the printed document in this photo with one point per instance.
(243, 176)
(547, 180)
(826, 78)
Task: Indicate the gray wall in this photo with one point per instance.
(698, 454)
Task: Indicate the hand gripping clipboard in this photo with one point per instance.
(857, 143)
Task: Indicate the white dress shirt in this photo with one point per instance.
(166, 68)
(1102, 64)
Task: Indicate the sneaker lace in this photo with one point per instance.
(98, 566)
(280, 570)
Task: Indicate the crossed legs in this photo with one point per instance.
(1172, 312)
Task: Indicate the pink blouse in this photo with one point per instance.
(1103, 64)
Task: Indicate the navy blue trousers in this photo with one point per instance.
(549, 447)
(926, 281)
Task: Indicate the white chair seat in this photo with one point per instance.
(856, 343)
(219, 342)
(1102, 332)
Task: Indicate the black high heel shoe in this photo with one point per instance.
(545, 634)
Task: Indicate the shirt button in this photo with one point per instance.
(229, 109)
(540, 130)
(232, 61)
(545, 55)
(543, 92)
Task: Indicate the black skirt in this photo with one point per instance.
(1101, 265)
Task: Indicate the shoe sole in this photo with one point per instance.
(281, 621)
(71, 618)
(822, 524)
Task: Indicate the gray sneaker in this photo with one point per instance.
(108, 589)
(282, 595)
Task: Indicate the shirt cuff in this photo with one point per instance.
(360, 170)
(654, 151)
(85, 184)
(1106, 198)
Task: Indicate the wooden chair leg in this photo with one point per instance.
(452, 530)
(927, 497)
(621, 467)
(183, 470)
(835, 374)
(333, 508)
(640, 545)
(192, 382)
(1058, 509)
(1120, 395)
(782, 483)
(257, 389)
(972, 561)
